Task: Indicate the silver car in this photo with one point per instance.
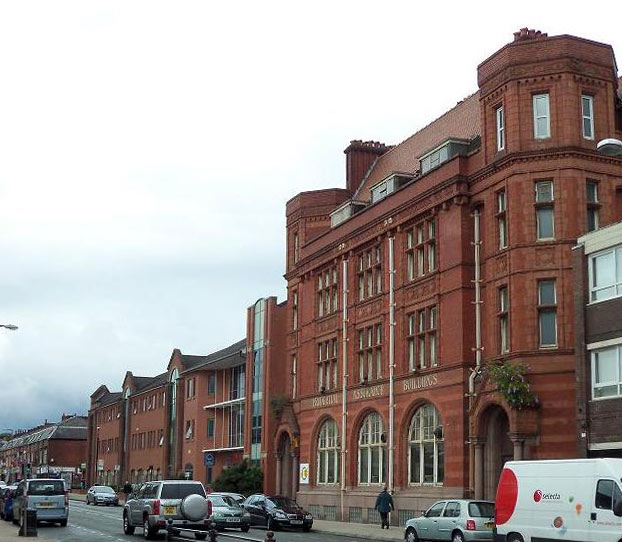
(47, 496)
(174, 505)
(102, 495)
(454, 520)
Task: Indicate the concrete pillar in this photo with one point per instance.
(294, 475)
(279, 466)
(479, 467)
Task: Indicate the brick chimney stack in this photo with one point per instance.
(360, 155)
(525, 34)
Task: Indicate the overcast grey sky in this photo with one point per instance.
(148, 149)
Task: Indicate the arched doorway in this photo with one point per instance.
(284, 467)
(498, 448)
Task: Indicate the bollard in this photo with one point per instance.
(213, 535)
(270, 537)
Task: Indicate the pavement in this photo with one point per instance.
(8, 533)
(358, 531)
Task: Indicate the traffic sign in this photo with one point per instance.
(209, 459)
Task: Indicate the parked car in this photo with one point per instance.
(176, 504)
(565, 499)
(276, 512)
(6, 502)
(227, 513)
(102, 495)
(455, 520)
(47, 496)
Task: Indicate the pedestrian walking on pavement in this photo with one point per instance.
(384, 505)
(127, 489)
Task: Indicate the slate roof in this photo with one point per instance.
(145, 383)
(461, 122)
(110, 398)
(230, 356)
(74, 428)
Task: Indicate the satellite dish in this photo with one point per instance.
(610, 147)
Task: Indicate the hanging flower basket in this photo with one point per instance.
(511, 383)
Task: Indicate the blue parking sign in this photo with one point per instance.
(209, 459)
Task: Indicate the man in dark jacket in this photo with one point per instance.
(384, 505)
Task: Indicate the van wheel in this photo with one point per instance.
(63, 523)
(127, 528)
(457, 536)
(411, 535)
(514, 537)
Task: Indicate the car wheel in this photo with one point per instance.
(515, 537)
(200, 536)
(63, 523)
(457, 536)
(411, 535)
(148, 532)
(127, 528)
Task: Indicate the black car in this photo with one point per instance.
(275, 512)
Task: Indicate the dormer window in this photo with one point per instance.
(442, 154)
(387, 186)
(345, 211)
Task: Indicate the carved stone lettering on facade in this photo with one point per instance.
(327, 325)
(419, 292)
(323, 401)
(420, 382)
(369, 310)
(369, 393)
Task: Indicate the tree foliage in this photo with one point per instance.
(512, 384)
(244, 478)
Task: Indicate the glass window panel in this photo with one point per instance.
(542, 105)
(606, 366)
(544, 191)
(548, 325)
(440, 475)
(364, 466)
(587, 128)
(428, 463)
(591, 192)
(606, 391)
(545, 218)
(546, 289)
(375, 465)
(603, 270)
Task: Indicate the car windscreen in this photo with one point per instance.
(46, 487)
(104, 489)
(282, 502)
(231, 501)
(217, 500)
(180, 491)
(481, 509)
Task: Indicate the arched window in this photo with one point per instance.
(372, 455)
(426, 447)
(328, 454)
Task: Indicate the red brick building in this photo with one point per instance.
(52, 449)
(442, 255)
(161, 427)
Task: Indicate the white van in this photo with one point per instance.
(575, 500)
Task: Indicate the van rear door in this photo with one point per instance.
(47, 497)
(605, 526)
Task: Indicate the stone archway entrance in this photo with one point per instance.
(493, 447)
(498, 449)
(286, 467)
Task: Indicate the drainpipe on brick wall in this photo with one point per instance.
(344, 380)
(391, 356)
(477, 242)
